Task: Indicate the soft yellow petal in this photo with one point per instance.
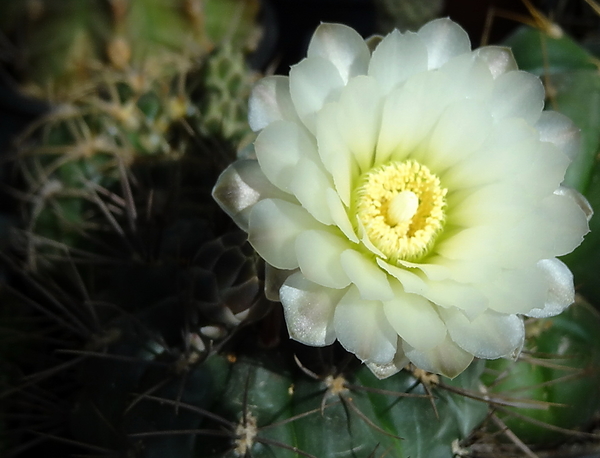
(343, 47)
(279, 147)
(359, 118)
(446, 359)
(319, 254)
(490, 335)
(396, 58)
(309, 310)
(273, 227)
(444, 39)
(415, 320)
(270, 101)
(371, 281)
(362, 328)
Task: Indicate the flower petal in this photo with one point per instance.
(396, 58)
(270, 101)
(342, 46)
(362, 328)
(460, 131)
(409, 114)
(504, 152)
(318, 254)
(516, 290)
(499, 59)
(444, 39)
(313, 82)
(518, 95)
(561, 291)
(240, 187)
(415, 320)
(448, 293)
(382, 371)
(490, 335)
(556, 128)
(446, 359)
(335, 153)
(371, 281)
(411, 282)
(471, 78)
(309, 184)
(279, 147)
(578, 199)
(309, 310)
(273, 227)
(359, 118)
(339, 215)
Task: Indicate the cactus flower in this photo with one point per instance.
(409, 191)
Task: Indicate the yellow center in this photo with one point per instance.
(401, 206)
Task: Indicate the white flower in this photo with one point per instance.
(413, 195)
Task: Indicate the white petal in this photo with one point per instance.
(504, 152)
(279, 147)
(516, 290)
(339, 215)
(313, 82)
(468, 244)
(556, 128)
(471, 78)
(366, 241)
(518, 95)
(272, 230)
(342, 46)
(461, 130)
(359, 118)
(411, 282)
(309, 184)
(448, 293)
(415, 320)
(499, 59)
(444, 39)
(371, 281)
(578, 199)
(561, 291)
(473, 271)
(362, 328)
(490, 335)
(270, 101)
(318, 254)
(433, 271)
(335, 153)
(494, 204)
(546, 168)
(446, 359)
(382, 371)
(396, 58)
(309, 310)
(240, 186)
(562, 225)
(409, 114)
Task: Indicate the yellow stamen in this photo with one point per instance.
(401, 205)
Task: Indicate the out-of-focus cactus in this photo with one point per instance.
(554, 385)
(84, 150)
(59, 46)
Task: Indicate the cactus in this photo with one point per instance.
(560, 370)
(60, 46)
(82, 151)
